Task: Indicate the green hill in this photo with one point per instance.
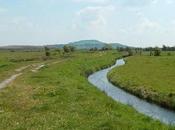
(87, 44)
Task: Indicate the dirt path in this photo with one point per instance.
(19, 72)
(38, 68)
(22, 68)
(9, 80)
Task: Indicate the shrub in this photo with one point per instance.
(66, 49)
(169, 54)
(72, 48)
(47, 53)
(157, 51)
(130, 52)
(151, 53)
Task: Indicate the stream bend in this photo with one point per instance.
(100, 80)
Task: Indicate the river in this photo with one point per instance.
(100, 80)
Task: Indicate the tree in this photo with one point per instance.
(140, 52)
(157, 51)
(107, 47)
(120, 49)
(169, 54)
(47, 53)
(66, 49)
(164, 48)
(91, 49)
(130, 52)
(151, 53)
(95, 49)
(72, 48)
(58, 50)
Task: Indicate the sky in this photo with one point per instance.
(132, 22)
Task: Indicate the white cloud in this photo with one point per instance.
(3, 10)
(93, 1)
(170, 1)
(148, 25)
(93, 20)
(133, 3)
(95, 14)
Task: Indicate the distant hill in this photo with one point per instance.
(87, 44)
(83, 44)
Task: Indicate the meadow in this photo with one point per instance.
(149, 77)
(59, 96)
(11, 60)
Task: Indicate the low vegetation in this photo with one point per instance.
(11, 60)
(149, 77)
(60, 97)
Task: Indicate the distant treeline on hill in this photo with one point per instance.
(164, 48)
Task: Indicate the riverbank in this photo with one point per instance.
(151, 78)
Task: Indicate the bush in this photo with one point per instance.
(151, 53)
(93, 49)
(47, 53)
(169, 54)
(66, 49)
(72, 48)
(130, 52)
(157, 51)
(106, 47)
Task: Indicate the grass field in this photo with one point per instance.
(59, 97)
(9, 61)
(149, 77)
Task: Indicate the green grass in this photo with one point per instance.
(9, 61)
(152, 78)
(60, 97)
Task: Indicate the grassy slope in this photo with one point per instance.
(152, 78)
(60, 97)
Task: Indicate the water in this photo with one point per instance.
(99, 79)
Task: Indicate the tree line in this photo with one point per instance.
(66, 50)
(105, 48)
(154, 51)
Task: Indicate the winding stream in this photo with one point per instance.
(99, 79)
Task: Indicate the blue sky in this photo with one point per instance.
(132, 22)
